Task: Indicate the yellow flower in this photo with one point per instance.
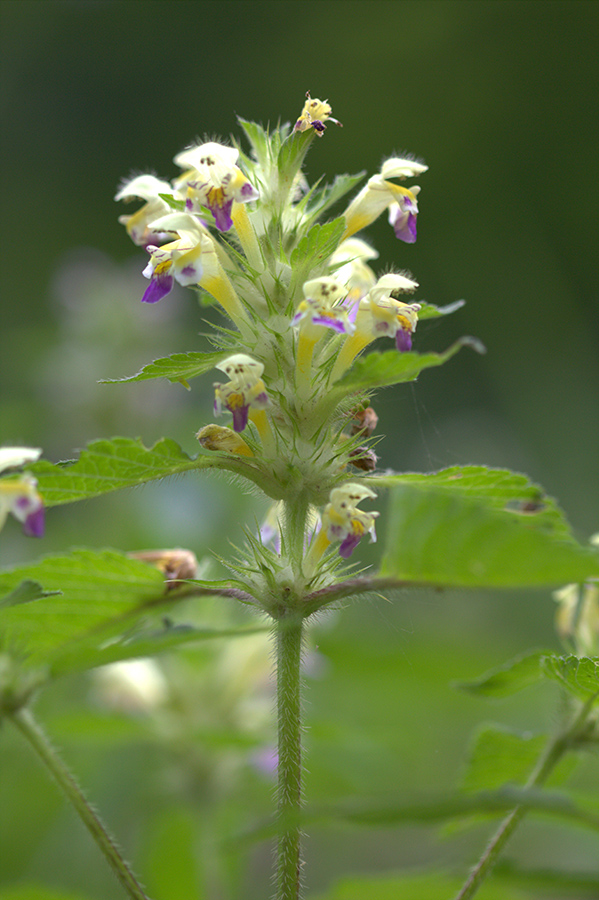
(350, 262)
(314, 114)
(343, 521)
(379, 314)
(244, 390)
(213, 181)
(148, 188)
(381, 194)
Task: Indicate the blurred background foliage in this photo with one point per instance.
(499, 98)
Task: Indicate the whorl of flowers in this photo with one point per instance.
(301, 301)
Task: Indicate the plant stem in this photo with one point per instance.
(554, 751)
(289, 649)
(29, 728)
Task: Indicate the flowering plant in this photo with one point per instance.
(301, 303)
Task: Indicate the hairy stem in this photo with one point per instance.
(554, 751)
(29, 728)
(289, 648)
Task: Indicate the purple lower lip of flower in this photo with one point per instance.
(348, 545)
(33, 525)
(405, 229)
(158, 288)
(222, 215)
(403, 340)
(240, 417)
(328, 322)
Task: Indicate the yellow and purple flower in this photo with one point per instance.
(379, 314)
(350, 260)
(19, 496)
(381, 194)
(314, 114)
(148, 188)
(322, 306)
(213, 181)
(245, 389)
(182, 260)
(343, 521)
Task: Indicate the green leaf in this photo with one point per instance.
(377, 370)
(508, 678)
(392, 810)
(579, 676)
(548, 882)
(292, 154)
(86, 654)
(425, 886)
(25, 593)
(95, 617)
(499, 489)
(110, 465)
(37, 892)
(258, 138)
(172, 201)
(315, 248)
(397, 810)
(430, 311)
(90, 589)
(177, 368)
(331, 193)
(448, 538)
(172, 835)
(500, 756)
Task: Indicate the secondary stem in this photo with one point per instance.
(553, 753)
(289, 648)
(27, 725)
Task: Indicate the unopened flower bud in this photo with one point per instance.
(176, 564)
(216, 437)
(364, 421)
(363, 458)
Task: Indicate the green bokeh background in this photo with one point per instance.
(499, 98)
